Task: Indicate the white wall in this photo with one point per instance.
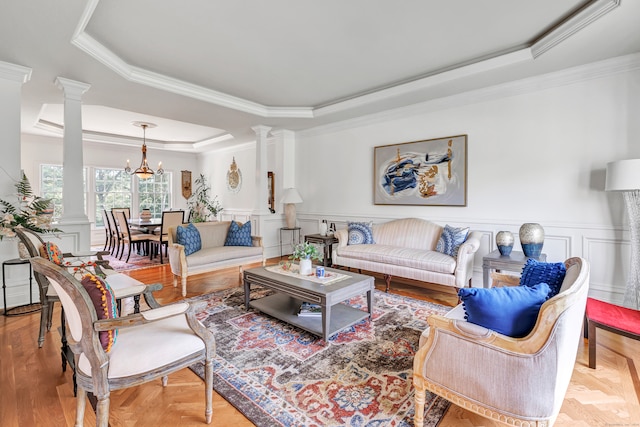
(537, 156)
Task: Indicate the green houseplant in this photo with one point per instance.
(30, 211)
(201, 205)
(304, 253)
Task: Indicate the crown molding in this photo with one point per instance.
(565, 77)
(572, 25)
(15, 73)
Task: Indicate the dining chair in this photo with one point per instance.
(133, 240)
(148, 345)
(108, 232)
(169, 219)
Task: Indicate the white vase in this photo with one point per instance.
(305, 267)
(323, 228)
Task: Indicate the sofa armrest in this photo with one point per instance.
(342, 236)
(177, 259)
(466, 255)
(256, 240)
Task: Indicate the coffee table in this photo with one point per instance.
(292, 291)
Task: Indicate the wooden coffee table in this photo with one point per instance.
(292, 291)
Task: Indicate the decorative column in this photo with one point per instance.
(73, 218)
(12, 77)
(262, 198)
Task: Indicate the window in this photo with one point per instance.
(110, 188)
(51, 182)
(155, 194)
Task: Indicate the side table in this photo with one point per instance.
(327, 241)
(20, 309)
(513, 262)
(294, 231)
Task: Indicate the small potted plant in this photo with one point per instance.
(304, 253)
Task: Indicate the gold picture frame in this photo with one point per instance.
(186, 184)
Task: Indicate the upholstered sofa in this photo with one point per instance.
(407, 248)
(213, 255)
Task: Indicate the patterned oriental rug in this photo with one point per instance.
(279, 375)
(135, 261)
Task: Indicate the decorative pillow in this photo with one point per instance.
(52, 252)
(360, 233)
(535, 272)
(189, 237)
(104, 301)
(239, 235)
(451, 239)
(511, 310)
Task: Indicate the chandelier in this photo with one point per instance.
(144, 171)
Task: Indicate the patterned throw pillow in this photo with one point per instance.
(451, 239)
(535, 272)
(104, 301)
(189, 237)
(509, 310)
(52, 252)
(239, 235)
(360, 233)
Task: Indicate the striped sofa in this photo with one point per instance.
(406, 248)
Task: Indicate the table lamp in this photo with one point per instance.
(624, 176)
(290, 198)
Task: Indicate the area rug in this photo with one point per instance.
(135, 261)
(279, 375)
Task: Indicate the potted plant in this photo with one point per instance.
(304, 253)
(200, 203)
(31, 211)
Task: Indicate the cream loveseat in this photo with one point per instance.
(407, 248)
(213, 255)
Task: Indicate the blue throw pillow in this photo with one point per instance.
(511, 310)
(360, 233)
(451, 239)
(239, 235)
(189, 237)
(535, 272)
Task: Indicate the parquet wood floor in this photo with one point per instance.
(35, 392)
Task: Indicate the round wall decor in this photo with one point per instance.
(234, 177)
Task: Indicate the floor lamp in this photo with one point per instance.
(624, 176)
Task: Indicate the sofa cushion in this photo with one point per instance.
(535, 272)
(239, 235)
(360, 233)
(451, 239)
(221, 253)
(405, 257)
(510, 310)
(189, 237)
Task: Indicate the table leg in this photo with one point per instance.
(485, 277)
(247, 292)
(370, 302)
(326, 316)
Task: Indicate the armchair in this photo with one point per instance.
(150, 345)
(518, 381)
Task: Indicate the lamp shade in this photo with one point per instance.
(623, 175)
(291, 195)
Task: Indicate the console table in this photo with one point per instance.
(327, 241)
(513, 262)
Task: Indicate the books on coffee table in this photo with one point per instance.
(310, 310)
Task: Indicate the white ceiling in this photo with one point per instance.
(206, 71)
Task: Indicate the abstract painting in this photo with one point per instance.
(430, 172)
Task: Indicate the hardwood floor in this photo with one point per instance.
(35, 392)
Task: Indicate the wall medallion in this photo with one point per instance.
(234, 177)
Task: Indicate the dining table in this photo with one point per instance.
(146, 225)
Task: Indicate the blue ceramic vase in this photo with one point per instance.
(531, 239)
(504, 241)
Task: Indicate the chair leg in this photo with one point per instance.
(130, 249)
(44, 318)
(208, 390)
(591, 327)
(49, 315)
(418, 416)
(81, 402)
(102, 411)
